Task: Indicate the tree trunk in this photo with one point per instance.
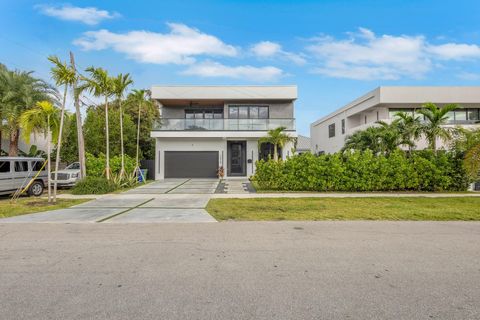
(275, 152)
(59, 144)
(49, 188)
(78, 116)
(107, 138)
(122, 169)
(138, 136)
(13, 147)
(0, 140)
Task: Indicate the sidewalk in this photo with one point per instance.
(344, 195)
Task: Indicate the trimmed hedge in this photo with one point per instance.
(364, 171)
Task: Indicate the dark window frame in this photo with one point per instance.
(249, 107)
(331, 130)
(343, 126)
(203, 111)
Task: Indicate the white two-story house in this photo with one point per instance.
(207, 128)
(328, 133)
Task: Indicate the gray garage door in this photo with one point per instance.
(191, 164)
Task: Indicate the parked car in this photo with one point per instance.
(67, 177)
(17, 172)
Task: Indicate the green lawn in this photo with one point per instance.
(31, 205)
(273, 209)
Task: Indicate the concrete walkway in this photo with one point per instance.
(163, 201)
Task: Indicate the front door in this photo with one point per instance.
(237, 158)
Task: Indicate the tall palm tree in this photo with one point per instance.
(64, 76)
(100, 85)
(120, 84)
(20, 91)
(435, 120)
(138, 98)
(44, 118)
(277, 138)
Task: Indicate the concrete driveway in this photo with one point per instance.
(173, 200)
(178, 186)
(241, 270)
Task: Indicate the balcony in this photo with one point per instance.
(223, 124)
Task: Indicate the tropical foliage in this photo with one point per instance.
(277, 138)
(364, 171)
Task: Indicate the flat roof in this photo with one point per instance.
(411, 95)
(203, 92)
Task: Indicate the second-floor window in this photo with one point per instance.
(343, 126)
(210, 113)
(248, 112)
(331, 130)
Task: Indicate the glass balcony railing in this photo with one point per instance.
(223, 124)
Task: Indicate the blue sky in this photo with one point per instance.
(333, 50)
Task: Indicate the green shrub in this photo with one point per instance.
(94, 185)
(364, 171)
(96, 165)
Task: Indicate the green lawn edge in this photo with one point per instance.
(325, 208)
(30, 205)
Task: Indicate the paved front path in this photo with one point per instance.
(184, 201)
(241, 270)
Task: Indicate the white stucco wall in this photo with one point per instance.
(208, 144)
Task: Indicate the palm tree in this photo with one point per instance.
(120, 84)
(368, 139)
(435, 119)
(44, 118)
(277, 138)
(138, 98)
(63, 76)
(410, 128)
(20, 91)
(390, 137)
(100, 85)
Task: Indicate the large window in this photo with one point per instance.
(248, 112)
(207, 113)
(331, 130)
(455, 116)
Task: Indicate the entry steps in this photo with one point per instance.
(236, 186)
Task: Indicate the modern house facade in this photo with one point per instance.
(207, 129)
(328, 133)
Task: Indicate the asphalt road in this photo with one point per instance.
(278, 270)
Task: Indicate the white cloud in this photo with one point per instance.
(179, 46)
(87, 15)
(210, 69)
(455, 51)
(366, 56)
(268, 49)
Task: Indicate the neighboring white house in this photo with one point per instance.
(328, 133)
(303, 144)
(35, 139)
(204, 128)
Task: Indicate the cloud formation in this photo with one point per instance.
(366, 56)
(268, 49)
(181, 45)
(210, 69)
(87, 15)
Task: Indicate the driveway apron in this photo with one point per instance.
(171, 200)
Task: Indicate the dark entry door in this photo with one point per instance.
(237, 158)
(191, 164)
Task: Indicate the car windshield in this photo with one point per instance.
(74, 165)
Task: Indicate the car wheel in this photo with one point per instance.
(36, 189)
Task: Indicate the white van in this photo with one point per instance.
(16, 173)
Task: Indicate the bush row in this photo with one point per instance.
(96, 165)
(364, 171)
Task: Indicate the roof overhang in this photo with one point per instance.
(243, 93)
